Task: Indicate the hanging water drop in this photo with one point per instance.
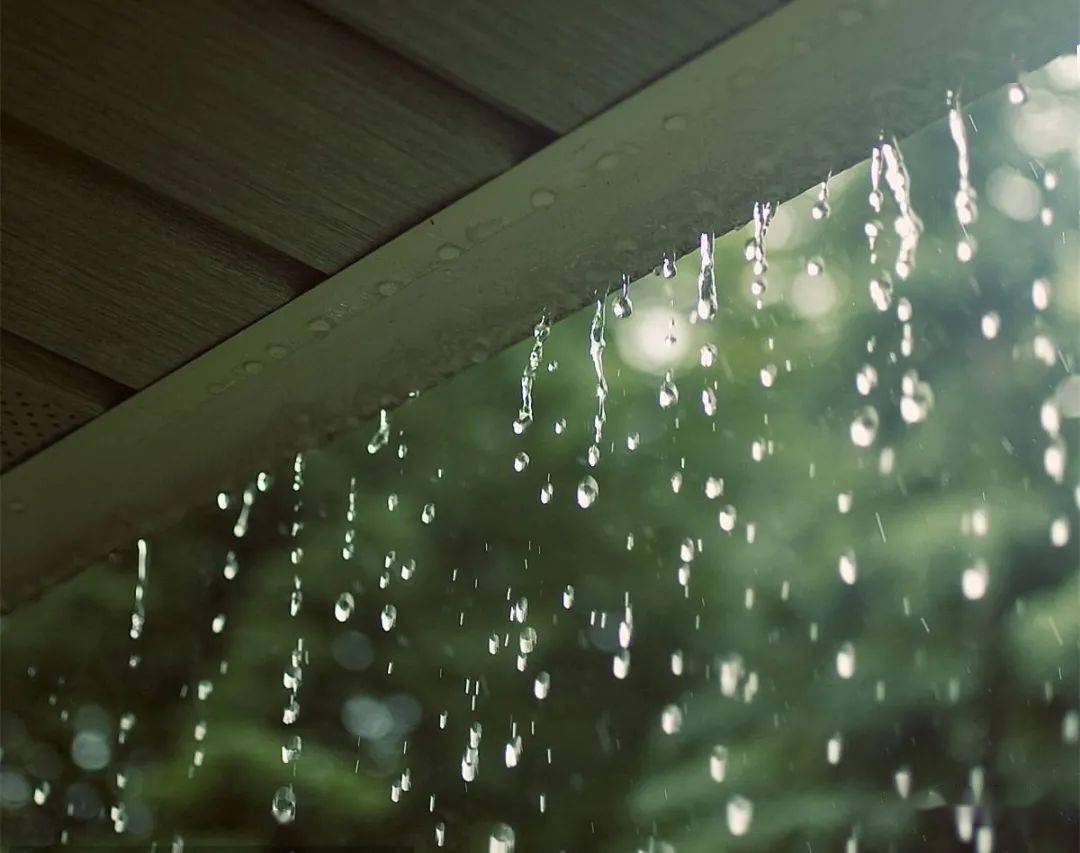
(382, 434)
(622, 307)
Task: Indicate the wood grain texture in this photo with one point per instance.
(265, 115)
(102, 272)
(44, 396)
(556, 62)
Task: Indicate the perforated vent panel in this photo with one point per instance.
(33, 416)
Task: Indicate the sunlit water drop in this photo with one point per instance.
(847, 567)
(671, 720)
(834, 748)
(845, 661)
(740, 813)
(718, 763)
(587, 491)
(669, 392)
(726, 518)
(865, 426)
(344, 606)
(975, 580)
(902, 779)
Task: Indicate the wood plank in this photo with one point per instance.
(44, 396)
(109, 276)
(265, 115)
(557, 62)
(605, 199)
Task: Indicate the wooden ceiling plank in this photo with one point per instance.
(267, 116)
(99, 270)
(556, 62)
(43, 396)
(27, 359)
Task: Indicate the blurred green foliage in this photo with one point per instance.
(953, 690)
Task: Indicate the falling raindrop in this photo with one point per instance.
(833, 749)
(845, 661)
(865, 426)
(502, 839)
(521, 461)
(1040, 294)
(990, 325)
(344, 607)
(669, 392)
(718, 759)
(708, 401)
(727, 518)
(847, 567)
(283, 806)
(740, 813)
(975, 581)
(586, 492)
(671, 720)
(388, 617)
(1059, 532)
(902, 778)
(881, 292)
